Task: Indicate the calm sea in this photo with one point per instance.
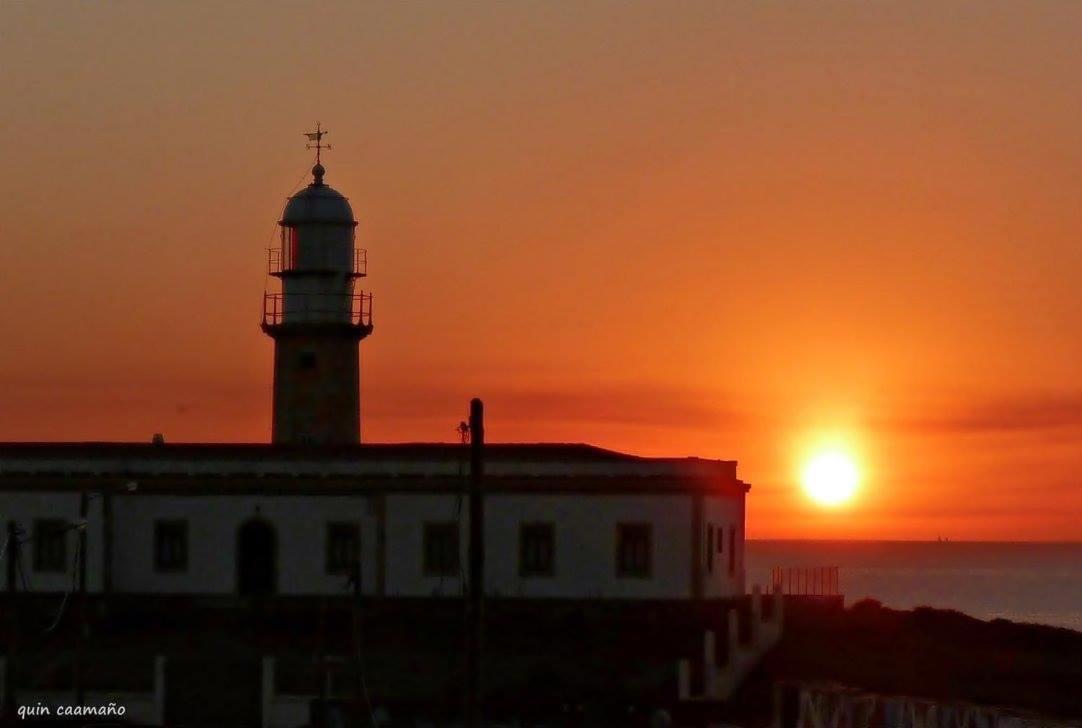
(1023, 582)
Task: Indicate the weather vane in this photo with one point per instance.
(316, 136)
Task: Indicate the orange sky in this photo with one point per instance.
(723, 229)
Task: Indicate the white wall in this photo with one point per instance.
(585, 541)
(406, 515)
(585, 536)
(24, 507)
(586, 545)
(724, 513)
(299, 522)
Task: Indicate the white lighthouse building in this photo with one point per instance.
(229, 521)
(318, 318)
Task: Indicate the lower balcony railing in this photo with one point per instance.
(354, 309)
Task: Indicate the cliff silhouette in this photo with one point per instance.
(929, 653)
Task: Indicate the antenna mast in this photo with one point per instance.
(317, 137)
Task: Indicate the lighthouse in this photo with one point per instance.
(318, 317)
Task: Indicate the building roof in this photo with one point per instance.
(318, 203)
(568, 466)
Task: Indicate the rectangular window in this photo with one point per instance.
(50, 544)
(537, 549)
(732, 551)
(634, 544)
(441, 549)
(291, 247)
(170, 546)
(343, 547)
(710, 548)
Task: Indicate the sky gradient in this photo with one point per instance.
(724, 229)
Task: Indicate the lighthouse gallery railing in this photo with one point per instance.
(352, 308)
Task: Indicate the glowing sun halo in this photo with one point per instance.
(830, 478)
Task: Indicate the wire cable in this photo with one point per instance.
(22, 574)
(292, 191)
(71, 589)
(364, 686)
(358, 631)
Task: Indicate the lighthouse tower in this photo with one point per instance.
(319, 317)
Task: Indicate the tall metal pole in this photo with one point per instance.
(476, 565)
(358, 649)
(80, 688)
(106, 544)
(10, 703)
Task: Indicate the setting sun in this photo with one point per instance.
(830, 478)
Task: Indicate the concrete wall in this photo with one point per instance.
(724, 514)
(585, 540)
(406, 515)
(299, 522)
(586, 545)
(584, 525)
(320, 405)
(24, 508)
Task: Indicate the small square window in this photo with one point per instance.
(634, 544)
(170, 546)
(306, 361)
(441, 549)
(50, 544)
(343, 547)
(537, 549)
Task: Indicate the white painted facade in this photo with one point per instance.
(24, 508)
(299, 524)
(724, 573)
(390, 514)
(678, 522)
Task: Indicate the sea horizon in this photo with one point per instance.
(1038, 582)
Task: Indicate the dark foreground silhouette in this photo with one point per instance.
(561, 663)
(928, 653)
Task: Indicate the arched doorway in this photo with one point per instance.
(257, 558)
